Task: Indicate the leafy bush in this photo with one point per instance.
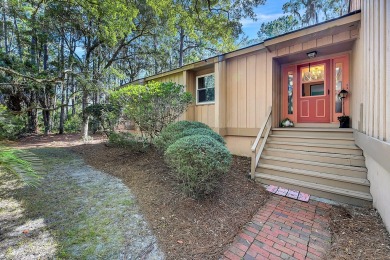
(152, 106)
(198, 161)
(73, 124)
(11, 126)
(129, 141)
(105, 116)
(174, 131)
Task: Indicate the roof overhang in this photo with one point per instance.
(335, 26)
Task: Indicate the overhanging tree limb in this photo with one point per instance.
(13, 72)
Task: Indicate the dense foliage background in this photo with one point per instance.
(57, 57)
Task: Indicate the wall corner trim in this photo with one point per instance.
(375, 148)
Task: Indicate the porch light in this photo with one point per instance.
(311, 54)
(343, 94)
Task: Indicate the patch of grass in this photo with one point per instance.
(86, 212)
(127, 202)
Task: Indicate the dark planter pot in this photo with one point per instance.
(344, 121)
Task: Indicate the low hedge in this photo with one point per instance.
(127, 140)
(198, 162)
(173, 132)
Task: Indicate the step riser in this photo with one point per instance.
(328, 182)
(318, 134)
(315, 149)
(296, 165)
(314, 140)
(318, 193)
(316, 158)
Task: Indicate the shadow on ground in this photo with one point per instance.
(77, 212)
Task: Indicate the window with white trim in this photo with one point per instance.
(205, 89)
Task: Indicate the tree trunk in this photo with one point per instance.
(45, 57)
(62, 113)
(85, 116)
(155, 51)
(32, 114)
(33, 50)
(20, 50)
(181, 47)
(67, 99)
(73, 97)
(32, 121)
(46, 121)
(5, 29)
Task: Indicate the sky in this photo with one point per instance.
(264, 13)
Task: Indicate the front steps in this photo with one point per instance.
(324, 162)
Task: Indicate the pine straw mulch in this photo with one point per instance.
(358, 233)
(185, 228)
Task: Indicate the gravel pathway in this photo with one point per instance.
(77, 212)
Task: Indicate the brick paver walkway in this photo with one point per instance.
(284, 229)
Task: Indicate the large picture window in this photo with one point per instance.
(205, 89)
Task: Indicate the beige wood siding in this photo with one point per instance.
(371, 72)
(354, 5)
(205, 114)
(177, 78)
(247, 80)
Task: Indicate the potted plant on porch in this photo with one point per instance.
(344, 121)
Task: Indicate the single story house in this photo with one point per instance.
(302, 75)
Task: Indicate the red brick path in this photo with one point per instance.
(284, 229)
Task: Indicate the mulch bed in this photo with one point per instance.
(190, 229)
(358, 233)
(186, 228)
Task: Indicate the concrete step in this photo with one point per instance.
(317, 125)
(314, 132)
(333, 180)
(325, 191)
(351, 171)
(340, 159)
(313, 139)
(316, 147)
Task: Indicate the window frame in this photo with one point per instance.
(197, 90)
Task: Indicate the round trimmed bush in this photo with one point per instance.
(198, 162)
(201, 131)
(172, 131)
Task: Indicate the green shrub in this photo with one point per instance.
(104, 116)
(198, 162)
(133, 142)
(152, 106)
(174, 131)
(11, 126)
(73, 124)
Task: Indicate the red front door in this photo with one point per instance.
(313, 95)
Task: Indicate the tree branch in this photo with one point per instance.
(13, 72)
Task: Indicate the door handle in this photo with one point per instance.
(328, 92)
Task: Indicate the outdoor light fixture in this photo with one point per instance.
(311, 54)
(343, 94)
